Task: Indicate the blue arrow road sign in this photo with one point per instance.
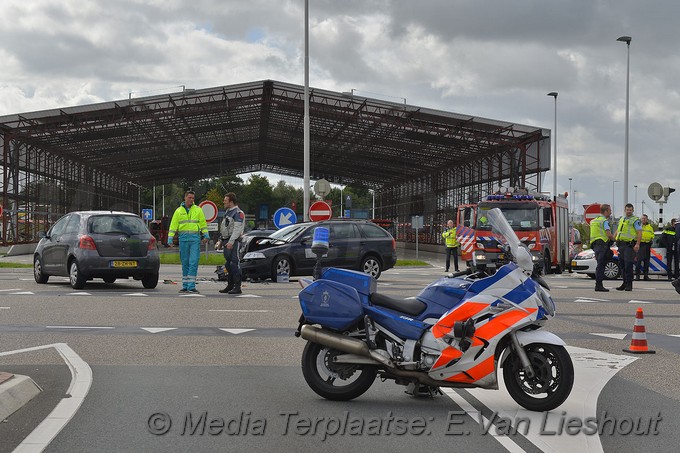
(284, 217)
(147, 214)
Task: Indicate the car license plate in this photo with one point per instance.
(501, 256)
(123, 263)
(573, 264)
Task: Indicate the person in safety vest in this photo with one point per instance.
(189, 223)
(231, 231)
(628, 237)
(600, 238)
(668, 242)
(451, 245)
(644, 254)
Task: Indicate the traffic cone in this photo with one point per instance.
(638, 344)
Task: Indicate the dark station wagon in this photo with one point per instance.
(354, 244)
(97, 244)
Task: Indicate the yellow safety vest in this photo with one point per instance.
(626, 230)
(647, 233)
(191, 221)
(597, 230)
(450, 236)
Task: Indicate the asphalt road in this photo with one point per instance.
(226, 372)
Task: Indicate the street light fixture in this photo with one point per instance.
(554, 94)
(613, 211)
(627, 40)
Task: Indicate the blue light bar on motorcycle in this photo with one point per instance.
(320, 240)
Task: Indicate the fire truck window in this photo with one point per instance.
(547, 217)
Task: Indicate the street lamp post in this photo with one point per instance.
(341, 212)
(627, 40)
(635, 205)
(554, 94)
(613, 211)
(373, 192)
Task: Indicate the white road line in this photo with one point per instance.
(506, 442)
(236, 331)
(616, 336)
(249, 295)
(246, 311)
(592, 370)
(633, 301)
(79, 293)
(191, 295)
(136, 294)
(582, 301)
(81, 381)
(157, 329)
(22, 293)
(4, 308)
(78, 327)
(13, 289)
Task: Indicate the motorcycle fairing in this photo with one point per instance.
(495, 316)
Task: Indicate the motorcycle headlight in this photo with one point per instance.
(254, 256)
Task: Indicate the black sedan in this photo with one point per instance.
(97, 244)
(354, 244)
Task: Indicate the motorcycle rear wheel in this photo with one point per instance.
(334, 381)
(553, 380)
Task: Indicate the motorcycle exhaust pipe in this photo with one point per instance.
(342, 343)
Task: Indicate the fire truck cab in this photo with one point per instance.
(541, 224)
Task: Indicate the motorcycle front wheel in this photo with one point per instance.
(552, 382)
(334, 381)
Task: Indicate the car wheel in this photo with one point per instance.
(371, 265)
(611, 270)
(282, 265)
(38, 272)
(109, 279)
(150, 281)
(76, 278)
(547, 267)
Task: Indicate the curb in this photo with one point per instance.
(16, 391)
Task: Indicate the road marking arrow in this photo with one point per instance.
(616, 336)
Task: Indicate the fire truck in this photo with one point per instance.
(542, 224)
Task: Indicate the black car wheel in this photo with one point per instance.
(38, 273)
(76, 278)
(371, 265)
(282, 265)
(150, 281)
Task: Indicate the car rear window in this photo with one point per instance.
(373, 231)
(116, 224)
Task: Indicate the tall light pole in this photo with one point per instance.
(613, 211)
(373, 192)
(554, 94)
(627, 40)
(341, 212)
(635, 205)
(306, 135)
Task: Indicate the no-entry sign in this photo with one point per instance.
(319, 211)
(592, 211)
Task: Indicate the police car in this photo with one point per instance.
(584, 262)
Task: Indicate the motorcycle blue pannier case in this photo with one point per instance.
(331, 304)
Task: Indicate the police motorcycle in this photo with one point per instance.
(456, 333)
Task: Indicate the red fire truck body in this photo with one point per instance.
(541, 224)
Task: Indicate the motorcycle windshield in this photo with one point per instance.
(506, 235)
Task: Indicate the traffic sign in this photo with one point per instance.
(592, 211)
(209, 210)
(284, 217)
(147, 214)
(319, 211)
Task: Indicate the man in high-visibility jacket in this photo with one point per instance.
(451, 245)
(645, 252)
(628, 237)
(189, 223)
(600, 235)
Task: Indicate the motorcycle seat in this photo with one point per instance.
(412, 307)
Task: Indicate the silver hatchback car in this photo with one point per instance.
(97, 244)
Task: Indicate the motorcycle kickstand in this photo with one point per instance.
(522, 354)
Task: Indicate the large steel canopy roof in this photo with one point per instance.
(258, 126)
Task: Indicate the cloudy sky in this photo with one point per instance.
(493, 58)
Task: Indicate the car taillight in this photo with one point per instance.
(152, 243)
(87, 243)
(394, 244)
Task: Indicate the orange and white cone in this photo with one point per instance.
(638, 345)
